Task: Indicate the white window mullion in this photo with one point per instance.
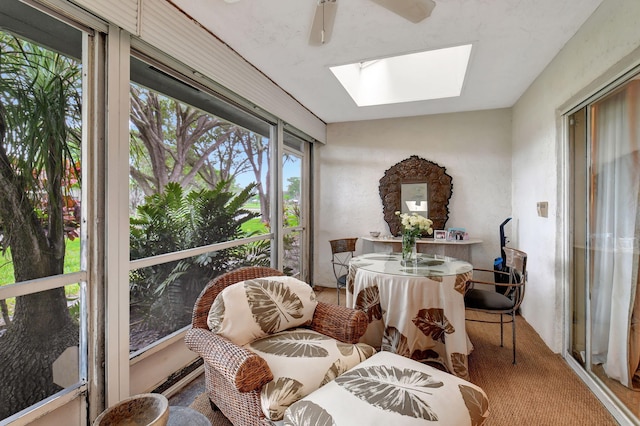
(117, 218)
(305, 200)
(275, 166)
(93, 196)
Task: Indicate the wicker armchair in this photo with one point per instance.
(235, 375)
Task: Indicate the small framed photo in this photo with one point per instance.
(457, 234)
(439, 235)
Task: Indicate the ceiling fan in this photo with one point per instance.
(325, 14)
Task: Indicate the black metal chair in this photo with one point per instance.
(342, 250)
(507, 297)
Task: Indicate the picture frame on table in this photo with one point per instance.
(440, 235)
(457, 234)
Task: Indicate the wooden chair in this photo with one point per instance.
(342, 250)
(494, 301)
(234, 375)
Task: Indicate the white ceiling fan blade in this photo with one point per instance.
(322, 24)
(411, 10)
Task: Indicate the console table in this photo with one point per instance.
(460, 249)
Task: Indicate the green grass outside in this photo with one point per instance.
(72, 260)
(254, 225)
(72, 256)
(71, 264)
(252, 205)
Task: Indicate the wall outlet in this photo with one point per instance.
(543, 209)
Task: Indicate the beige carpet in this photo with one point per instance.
(202, 405)
(539, 390)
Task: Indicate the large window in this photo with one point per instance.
(205, 188)
(42, 278)
(199, 198)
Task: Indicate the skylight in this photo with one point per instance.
(433, 74)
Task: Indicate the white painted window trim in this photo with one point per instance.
(117, 218)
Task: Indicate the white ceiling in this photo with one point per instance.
(513, 41)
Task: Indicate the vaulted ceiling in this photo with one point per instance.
(513, 41)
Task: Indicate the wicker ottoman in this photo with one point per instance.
(389, 389)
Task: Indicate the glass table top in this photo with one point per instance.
(427, 265)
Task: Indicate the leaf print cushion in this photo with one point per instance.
(251, 309)
(301, 361)
(389, 389)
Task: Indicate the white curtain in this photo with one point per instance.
(614, 231)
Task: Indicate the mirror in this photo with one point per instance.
(413, 198)
(416, 185)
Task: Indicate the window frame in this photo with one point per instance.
(91, 47)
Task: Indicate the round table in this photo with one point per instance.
(415, 310)
(427, 265)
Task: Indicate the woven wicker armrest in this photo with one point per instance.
(244, 369)
(341, 323)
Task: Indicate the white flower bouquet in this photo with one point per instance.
(413, 226)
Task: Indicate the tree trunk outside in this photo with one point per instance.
(42, 327)
(28, 349)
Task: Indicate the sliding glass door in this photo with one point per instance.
(604, 334)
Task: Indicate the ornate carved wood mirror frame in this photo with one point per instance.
(416, 170)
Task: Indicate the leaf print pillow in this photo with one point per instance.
(389, 389)
(249, 310)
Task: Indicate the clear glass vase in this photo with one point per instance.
(409, 250)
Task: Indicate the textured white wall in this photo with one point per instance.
(600, 50)
(489, 159)
(474, 147)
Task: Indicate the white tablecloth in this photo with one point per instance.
(417, 312)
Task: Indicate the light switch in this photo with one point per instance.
(543, 209)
